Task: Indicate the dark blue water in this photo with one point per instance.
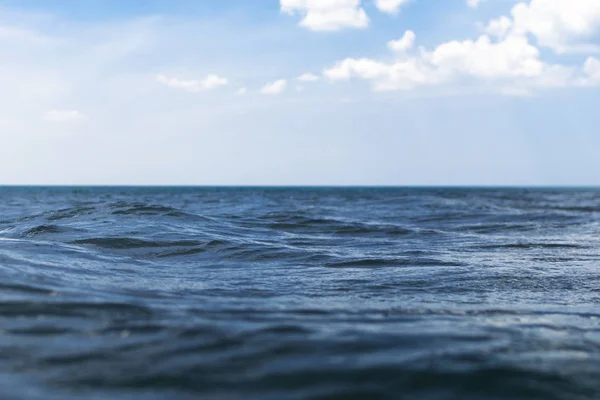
(299, 293)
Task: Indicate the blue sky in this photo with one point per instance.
(413, 92)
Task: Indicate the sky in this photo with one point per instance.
(300, 92)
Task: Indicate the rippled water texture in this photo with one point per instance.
(299, 294)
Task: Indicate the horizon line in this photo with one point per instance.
(228, 186)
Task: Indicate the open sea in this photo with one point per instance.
(299, 293)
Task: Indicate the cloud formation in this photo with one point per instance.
(563, 26)
(308, 78)
(512, 62)
(193, 86)
(390, 6)
(274, 88)
(335, 15)
(592, 69)
(327, 15)
(474, 3)
(403, 44)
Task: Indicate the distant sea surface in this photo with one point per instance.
(254, 293)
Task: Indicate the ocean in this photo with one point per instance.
(299, 293)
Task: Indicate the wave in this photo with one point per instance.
(42, 230)
(70, 309)
(132, 243)
(144, 209)
(69, 213)
(286, 222)
(397, 262)
(498, 227)
(529, 246)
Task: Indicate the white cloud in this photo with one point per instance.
(63, 116)
(592, 70)
(241, 91)
(510, 62)
(510, 58)
(474, 3)
(564, 26)
(390, 6)
(553, 76)
(214, 81)
(334, 15)
(351, 67)
(307, 78)
(193, 86)
(187, 85)
(403, 44)
(274, 88)
(327, 15)
(401, 75)
(592, 67)
(499, 27)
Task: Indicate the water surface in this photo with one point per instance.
(224, 293)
